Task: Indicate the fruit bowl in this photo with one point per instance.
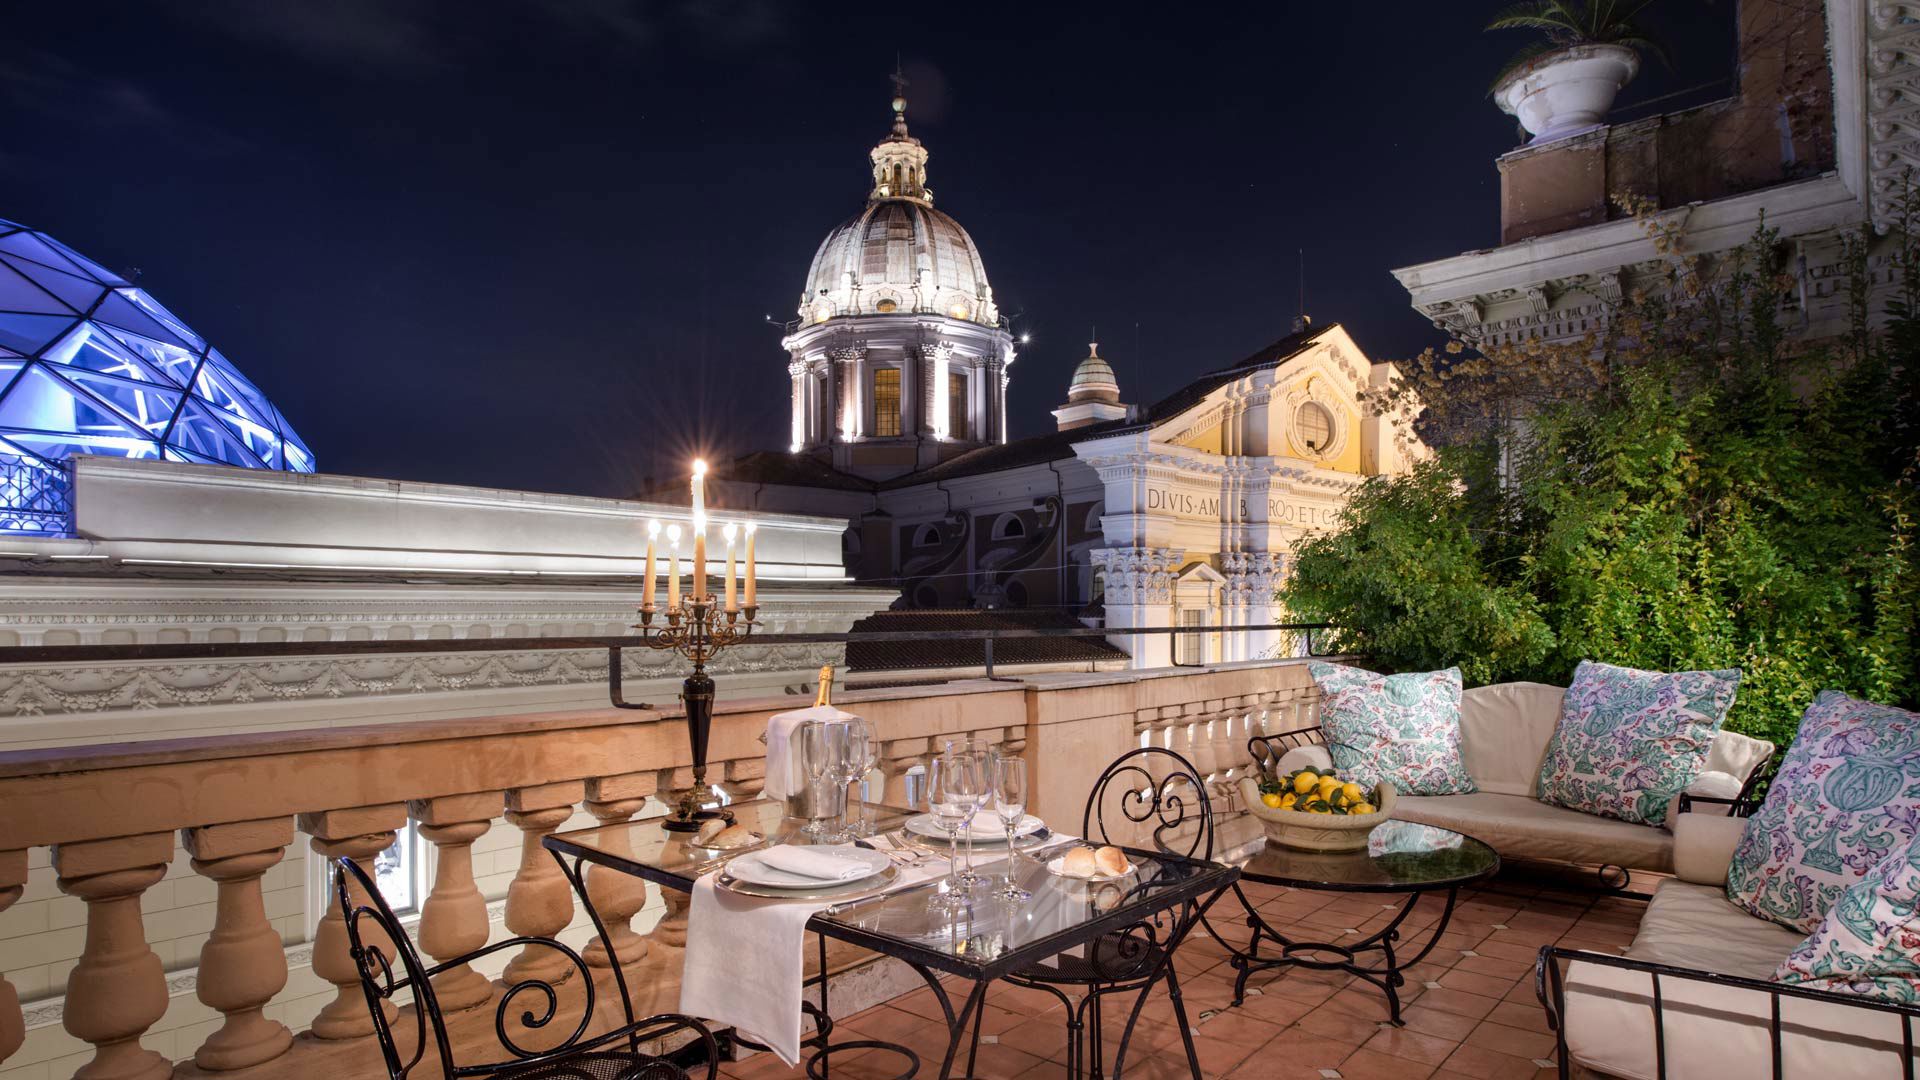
(1316, 832)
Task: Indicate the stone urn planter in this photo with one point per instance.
(1566, 91)
(1317, 832)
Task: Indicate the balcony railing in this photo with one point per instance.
(163, 899)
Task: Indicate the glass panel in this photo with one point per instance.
(33, 247)
(202, 434)
(89, 348)
(41, 401)
(166, 318)
(123, 313)
(60, 447)
(87, 266)
(31, 333)
(19, 294)
(172, 362)
(77, 292)
(299, 458)
(886, 402)
(262, 440)
(234, 383)
(143, 403)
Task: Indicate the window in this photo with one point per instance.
(885, 304)
(927, 536)
(1193, 647)
(1009, 527)
(1315, 425)
(886, 402)
(957, 406)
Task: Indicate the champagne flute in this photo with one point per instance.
(979, 753)
(866, 745)
(821, 745)
(954, 788)
(845, 767)
(1010, 802)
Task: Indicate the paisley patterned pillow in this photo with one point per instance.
(1869, 943)
(1846, 796)
(1630, 740)
(1404, 729)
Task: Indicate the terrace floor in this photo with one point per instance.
(1470, 1009)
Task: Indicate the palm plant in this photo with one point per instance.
(1566, 23)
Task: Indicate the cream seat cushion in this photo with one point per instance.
(1715, 1031)
(1522, 827)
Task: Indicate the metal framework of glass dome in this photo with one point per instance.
(89, 364)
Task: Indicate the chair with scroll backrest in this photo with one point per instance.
(373, 932)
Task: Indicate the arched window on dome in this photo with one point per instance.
(926, 536)
(1009, 527)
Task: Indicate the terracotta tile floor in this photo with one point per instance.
(1469, 1008)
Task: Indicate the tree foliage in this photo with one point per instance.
(1688, 488)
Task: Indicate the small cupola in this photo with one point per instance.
(1093, 395)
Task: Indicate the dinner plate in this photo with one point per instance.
(1057, 864)
(749, 869)
(986, 828)
(850, 890)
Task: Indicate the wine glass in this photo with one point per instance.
(866, 749)
(981, 755)
(856, 736)
(821, 747)
(1010, 802)
(955, 786)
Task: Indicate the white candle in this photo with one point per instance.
(751, 528)
(653, 581)
(732, 599)
(673, 568)
(699, 530)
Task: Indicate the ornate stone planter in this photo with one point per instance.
(1567, 91)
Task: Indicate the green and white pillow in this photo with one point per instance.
(1846, 797)
(1869, 942)
(1403, 729)
(1631, 740)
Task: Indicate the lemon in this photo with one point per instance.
(1271, 798)
(1304, 782)
(1328, 785)
(1362, 808)
(1354, 793)
(1287, 800)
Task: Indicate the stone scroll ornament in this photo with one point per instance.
(1403, 729)
(1847, 796)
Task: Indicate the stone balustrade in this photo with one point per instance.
(188, 858)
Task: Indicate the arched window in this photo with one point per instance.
(926, 536)
(1009, 527)
(1016, 594)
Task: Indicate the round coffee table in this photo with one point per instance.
(1401, 857)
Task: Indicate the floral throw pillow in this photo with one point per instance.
(1630, 740)
(1869, 943)
(1403, 729)
(1847, 795)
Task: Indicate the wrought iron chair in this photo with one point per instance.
(1161, 791)
(615, 1055)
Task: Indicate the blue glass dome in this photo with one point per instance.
(89, 364)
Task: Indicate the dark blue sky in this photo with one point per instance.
(530, 244)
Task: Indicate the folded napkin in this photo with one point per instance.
(818, 863)
(783, 765)
(743, 964)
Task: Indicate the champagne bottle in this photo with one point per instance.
(824, 696)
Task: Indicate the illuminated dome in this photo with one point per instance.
(89, 364)
(899, 254)
(1093, 380)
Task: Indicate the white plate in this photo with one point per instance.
(986, 828)
(750, 869)
(1057, 866)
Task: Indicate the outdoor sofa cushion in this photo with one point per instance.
(1401, 729)
(1715, 1031)
(1519, 827)
(1846, 796)
(1869, 943)
(1629, 741)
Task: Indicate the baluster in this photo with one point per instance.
(453, 921)
(617, 896)
(13, 1026)
(539, 902)
(242, 965)
(117, 990)
(672, 927)
(357, 834)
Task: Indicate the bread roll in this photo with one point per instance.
(709, 829)
(1111, 861)
(735, 836)
(1079, 863)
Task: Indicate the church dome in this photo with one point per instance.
(1094, 380)
(899, 254)
(90, 364)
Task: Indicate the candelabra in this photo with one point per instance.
(696, 630)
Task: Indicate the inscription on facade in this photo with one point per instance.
(1204, 507)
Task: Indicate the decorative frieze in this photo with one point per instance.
(1138, 575)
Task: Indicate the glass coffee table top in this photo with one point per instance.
(1401, 856)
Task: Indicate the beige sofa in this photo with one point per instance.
(1711, 1027)
(1504, 732)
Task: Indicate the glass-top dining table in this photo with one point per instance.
(981, 937)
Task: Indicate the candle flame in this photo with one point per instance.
(673, 533)
(699, 466)
(752, 527)
(653, 528)
(729, 531)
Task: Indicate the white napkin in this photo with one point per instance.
(818, 863)
(743, 960)
(783, 766)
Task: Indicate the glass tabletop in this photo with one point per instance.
(1400, 856)
(985, 932)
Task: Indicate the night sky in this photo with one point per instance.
(532, 245)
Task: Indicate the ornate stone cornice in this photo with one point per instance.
(1138, 575)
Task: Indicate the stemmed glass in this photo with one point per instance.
(980, 754)
(823, 751)
(855, 754)
(865, 747)
(1010, 802)
(956, 784)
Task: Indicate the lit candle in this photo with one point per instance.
(732, 600)
(673, 568)
(653, 581)
(751, 528)
(699, 530)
